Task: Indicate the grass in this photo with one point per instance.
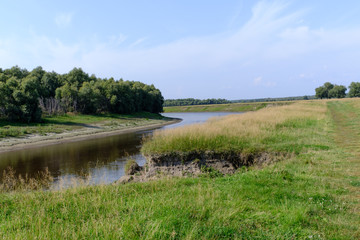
(289, 128)
(230, 107)
(312, 195)
(68, 122)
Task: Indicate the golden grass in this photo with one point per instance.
(10, 181)
(240, 132)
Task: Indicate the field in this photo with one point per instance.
(231, 107)
(312, 194)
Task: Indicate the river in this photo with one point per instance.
(103, 158)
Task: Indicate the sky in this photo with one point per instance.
(233, 49)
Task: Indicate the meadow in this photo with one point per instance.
(312, 194)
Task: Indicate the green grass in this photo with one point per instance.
(231, 107)
(68, 122)
(311, 195)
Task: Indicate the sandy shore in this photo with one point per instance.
(85, 133)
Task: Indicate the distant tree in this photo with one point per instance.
(68, 94)
(16, 72)
(50, 81)
(76, 77)
(323, 91)
(338, 91)
(19, 99)
(354, 89)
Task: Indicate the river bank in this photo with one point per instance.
(79, 131)
(311, 194)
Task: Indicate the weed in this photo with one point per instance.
(210, 172)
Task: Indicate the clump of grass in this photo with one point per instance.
(277, 129)
(210, 172)
(131, 167)
(12, 182)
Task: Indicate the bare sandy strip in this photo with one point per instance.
(85, 133)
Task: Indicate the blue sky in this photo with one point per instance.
(232, 49)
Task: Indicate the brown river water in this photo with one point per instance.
(102, 158)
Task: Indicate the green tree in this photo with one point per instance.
(323, 91)
(338, 91)
(89, 98)
(25, 94)
(50, 81)
(76, 77)
(19, 99)
(354, 89)
(68, 95)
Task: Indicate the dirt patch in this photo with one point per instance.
(194, 164)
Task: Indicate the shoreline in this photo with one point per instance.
(37, 141)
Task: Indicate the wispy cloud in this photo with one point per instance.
(63, 19)
(137, 42)
(118, 39)
(274, 44)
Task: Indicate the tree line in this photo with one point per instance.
(306, 97)
(26, 96)
(192, 101)
(329, 90)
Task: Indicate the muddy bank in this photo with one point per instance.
(85, 133)
(195, 164)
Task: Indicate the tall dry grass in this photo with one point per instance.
(272, 129)
(13, 182)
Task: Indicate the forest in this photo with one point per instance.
(27, 96)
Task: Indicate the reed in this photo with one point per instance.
(12, 182)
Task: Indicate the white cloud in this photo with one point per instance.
(257, 80)
(270, 45)
(63, 19)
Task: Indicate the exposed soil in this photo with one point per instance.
(194, 164)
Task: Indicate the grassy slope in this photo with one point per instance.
(232, 107)
(313, 195)
(289, 128)
(67, 122)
